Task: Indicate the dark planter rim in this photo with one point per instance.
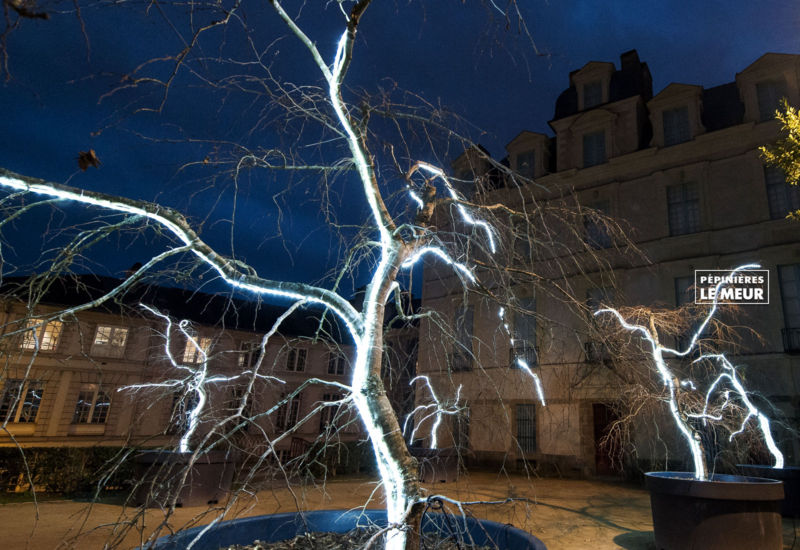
(339, 521)
(717, 487)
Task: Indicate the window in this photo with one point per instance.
(676, 126)
(336, 363)
(599, 297)
(196, 350)
(769, 94)
(592, 94)
(240, 398)
(41, 335)
(683, 204)
(525, 164)
(684, 294)
(287, 414)
(109, 341)
(92, 407)
(461, 430)
(595, 229)
(526, 428)
(329, 414)
(594, 149)
(789, 277)
(461, 358)
(782, 196)
(521, 231)
(523, 334)
(249, 353)
(182, 406)
(296, 359)
(21, 400)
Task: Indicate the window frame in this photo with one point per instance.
(524, 346)
(12, 407)
(683, 209)
(195, 349)
(109, 349)
(767, 105)
(40, 335)
(676, 125)
(288, 414)
(93, 415)
(782, 197)
(337, 363)
(527, 442)
(594, 150)
(249, 353)
(296, 359)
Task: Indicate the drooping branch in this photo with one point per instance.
(176, 224)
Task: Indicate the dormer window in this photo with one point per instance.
(526, 163)
(594, 148)
(592, 94)
(769, 94)
(676, 126)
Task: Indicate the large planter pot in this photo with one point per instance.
(790, 475)
(159, 475)
(724, 513)
(436, 465)
(279, 527)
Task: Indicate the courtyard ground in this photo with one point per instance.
(564, 514)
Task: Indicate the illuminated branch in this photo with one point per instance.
(521, 362)
(440, 410)
(195, 380)
(176, 224)
(672, 383)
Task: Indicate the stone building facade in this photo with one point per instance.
(680, 170)
(77, 379)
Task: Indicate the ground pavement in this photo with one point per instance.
(564, 514)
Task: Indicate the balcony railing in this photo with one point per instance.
(525, 351)
(791, 340)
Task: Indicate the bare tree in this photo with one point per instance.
(364, 146)
(691, 382)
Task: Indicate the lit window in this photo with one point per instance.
(525, 163)
(789, 276)
(676, 126)
(21, 400)
(92, 407)
(769, 94)
(594, 149)
(526, 427)
(781, 195)
(196, 350)
(336, 363)
(683, 205)
(592, 94)
(296, 359)
(109, 341)
(41, 335)
(523, 334)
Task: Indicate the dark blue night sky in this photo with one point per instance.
(462, 56)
